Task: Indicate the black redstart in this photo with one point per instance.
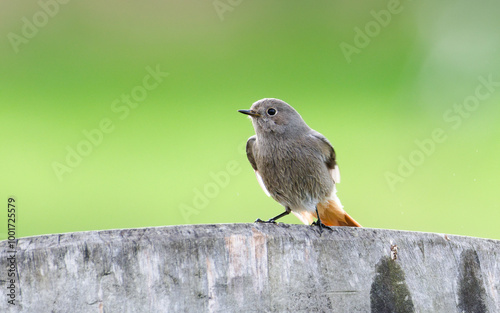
(295, 164)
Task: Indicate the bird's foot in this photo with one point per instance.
(321, 226)
(270, 221)
(267, 222)
(277, 217)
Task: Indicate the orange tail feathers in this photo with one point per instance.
(332, 214)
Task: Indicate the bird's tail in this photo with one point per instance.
(331, 213)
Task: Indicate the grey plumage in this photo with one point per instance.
(295, 164)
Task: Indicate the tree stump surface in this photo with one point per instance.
(251, 268)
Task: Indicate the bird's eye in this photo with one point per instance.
(271, 111)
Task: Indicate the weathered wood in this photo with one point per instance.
(253, 268)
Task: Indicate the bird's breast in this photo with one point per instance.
(294, 173)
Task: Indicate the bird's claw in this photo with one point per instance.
(321, 226)
(261, 221)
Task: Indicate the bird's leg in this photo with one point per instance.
(273, 220)
(319, 224)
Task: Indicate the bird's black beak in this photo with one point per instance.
(249, 112)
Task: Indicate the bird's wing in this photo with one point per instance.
(251, 159)
(328, 154)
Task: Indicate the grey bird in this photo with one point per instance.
(295, 164)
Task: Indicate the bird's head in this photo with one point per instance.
(274, 116)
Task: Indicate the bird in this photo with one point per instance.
(295, 165)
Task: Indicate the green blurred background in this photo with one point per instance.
(178, 157)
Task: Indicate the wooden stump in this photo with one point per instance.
(252, 268)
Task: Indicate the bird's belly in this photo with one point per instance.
(294, 183)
